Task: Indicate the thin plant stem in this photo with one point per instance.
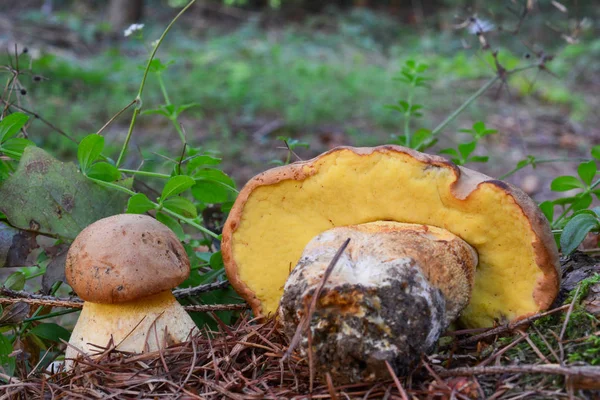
(167, 176)
(51, 315)
(191, 222)
(145, 173)
(116, 116)
(159, 207)
(138, 98)
(464, 105)
(475, 96)
(543, 161)
(163, 88)
(407, 113)
(26, 324)
(39, 273)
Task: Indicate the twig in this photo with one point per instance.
(193, 291)
(396, 380)
(21, 294)
(116, 116)
(582, 372)
(79, 304)
(494, 356)
(304, 323)
(43, 302)
(565, 324)
(509, 327)
(37, 116)
(31, 298)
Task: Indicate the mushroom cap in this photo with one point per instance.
(279, 211)
(125, 257)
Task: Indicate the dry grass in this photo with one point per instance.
(243, 361)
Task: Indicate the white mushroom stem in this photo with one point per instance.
(143, 325)
(392, 293)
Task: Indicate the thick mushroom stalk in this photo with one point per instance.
(124, 267)
(392, 293)
(137, 326)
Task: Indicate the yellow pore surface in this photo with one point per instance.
(279, 220)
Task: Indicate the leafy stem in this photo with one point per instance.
(167, 176)
(407, 115)
(464, 105)
(157, 206)
(138, 98)
(475, 96)
(535, 162)
(562, 216)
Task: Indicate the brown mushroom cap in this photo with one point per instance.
(125, 257)
(279, 211)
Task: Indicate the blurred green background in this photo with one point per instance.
(318, 71)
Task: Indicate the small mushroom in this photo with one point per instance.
(430, 243)
(124, 268)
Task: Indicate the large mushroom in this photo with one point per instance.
(430, 242)
(124, 268)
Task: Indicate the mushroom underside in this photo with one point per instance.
(280, 211)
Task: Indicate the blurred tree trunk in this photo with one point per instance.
(122, 13)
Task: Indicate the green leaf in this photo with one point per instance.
(479, 159)
(157, 66)
(16, 145)
(449, 151)
(104, 171)
(172, 224)
(158, 111)
(51, 331)
(11, 125)
(404, 104)
(139, 204)
(216, 261)
(176, 185)
(182, 206)
(547, 208)
(596, 152)
(565, 200)
(184, 107)
(7, 363)
(564, 183)
(466, 149)
(395, 108)
(202, 160)
(575, 231)
(212, 186)
(48, 196)
(582, 202)
(479, 127)
(89, 150)
(15, 281)
(587, 171)
(527, 161)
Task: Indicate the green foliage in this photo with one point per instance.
(576, 221)
(52, 198)
(10, 126)
(464, 151)
(291, 144)
(8, 362)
